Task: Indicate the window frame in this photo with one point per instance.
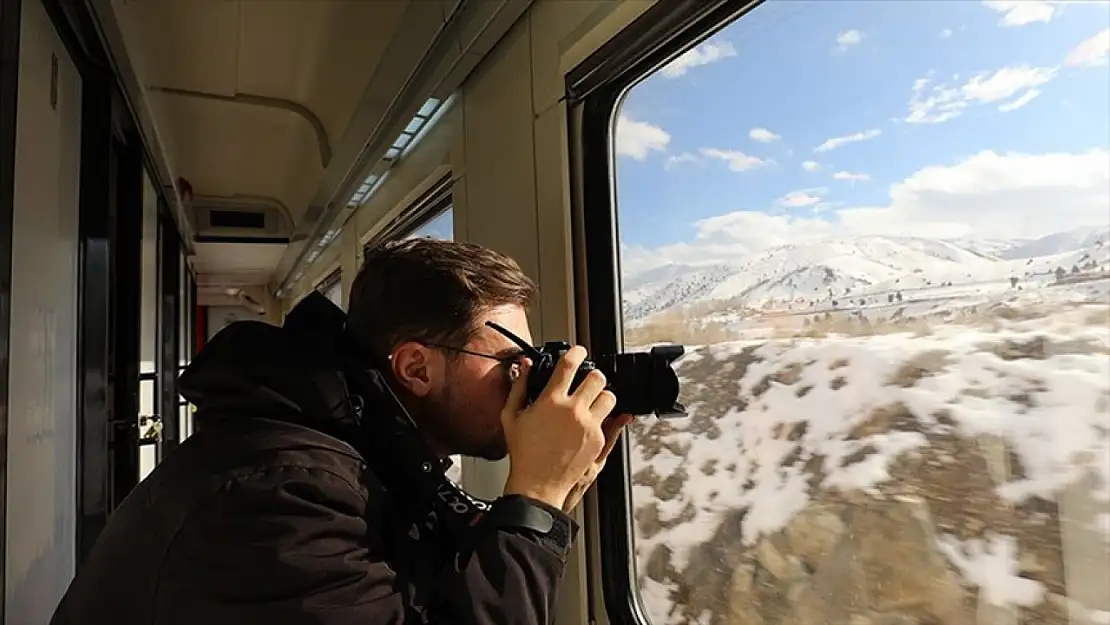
(594, 91)
(438, 199)
(333, 277)
(171, 255)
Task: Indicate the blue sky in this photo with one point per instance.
(1011, 115)
(441, 227)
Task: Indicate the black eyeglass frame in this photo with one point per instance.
(511, 363)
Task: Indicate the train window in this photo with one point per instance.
(148, 328)
(335, 294)
(882, 229)
(332, 288)
(184, 341)
(442, 226)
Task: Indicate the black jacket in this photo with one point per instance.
(260, 518)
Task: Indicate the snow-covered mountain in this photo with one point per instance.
(1058, 243)
(664, 287)
(855, 268)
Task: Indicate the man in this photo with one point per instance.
(272, 513)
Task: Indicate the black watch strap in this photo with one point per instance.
(520, 512)
(515, 511)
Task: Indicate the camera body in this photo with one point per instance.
(643, 382)
(543, 367)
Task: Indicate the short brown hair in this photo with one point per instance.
(430, 290)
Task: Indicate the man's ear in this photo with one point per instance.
(416, 367)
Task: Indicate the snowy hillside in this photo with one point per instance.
(669, 286)
(1058, 243)
(943, 477)
(833, 273)
(881, 430)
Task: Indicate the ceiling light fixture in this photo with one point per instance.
(428, 116)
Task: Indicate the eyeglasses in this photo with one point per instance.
(510, 362)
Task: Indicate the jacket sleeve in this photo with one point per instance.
(294, 545)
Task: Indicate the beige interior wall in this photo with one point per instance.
(512, 185)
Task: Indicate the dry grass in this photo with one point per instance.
(675, 327)
(696, 325)
(845, 325)
(1100, 317)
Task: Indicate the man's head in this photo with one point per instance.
(423, 304)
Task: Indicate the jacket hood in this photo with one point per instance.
(299, 373)
(253, 369)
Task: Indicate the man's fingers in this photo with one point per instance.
(612, 428)
(591, 388)
(565, 368)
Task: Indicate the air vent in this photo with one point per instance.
(237, 219)
(241, 217)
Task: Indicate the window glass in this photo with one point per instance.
(442, 226)
(881, 230)
(184, 340)
(334, 292)
(148, 318)
(148, 328)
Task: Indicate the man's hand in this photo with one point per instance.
(556, 439)
(612, 428)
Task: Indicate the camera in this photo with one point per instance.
(644, 382)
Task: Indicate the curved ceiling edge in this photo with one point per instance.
(296, 108)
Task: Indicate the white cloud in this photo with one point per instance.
(839, 142)
(811, 165)
(994, 195)
(987, 194)
(802, 197)
(729, 236)
(851, 176)
(946, 33)
(1022, 12)
(736, 160)
(704, 54)
(1005, 82)
(637, 139)
(1025, 98)
(847, 39)
(1091, 52)
(763, 135)
(679, 159)
(946, 101)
